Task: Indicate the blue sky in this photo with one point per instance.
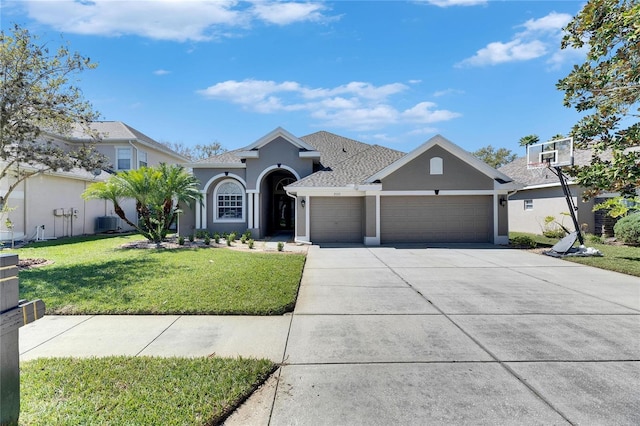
(393, 73)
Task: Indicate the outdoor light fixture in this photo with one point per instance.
(503, 201)
(226, 173)
(437, 191)
(303, 203)
(279, 164)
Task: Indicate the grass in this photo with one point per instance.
(136, 390)
(618, 258)
(93, 275)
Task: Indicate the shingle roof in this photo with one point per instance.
(228, 157)
(518, 171)
(334, 148)
(353, 170)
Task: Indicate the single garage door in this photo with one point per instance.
(443, 219)
(336, 219)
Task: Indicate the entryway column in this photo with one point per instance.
(203, 218)
(250, 210)
(256, 210)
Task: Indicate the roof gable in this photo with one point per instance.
(448, 146)
(275, 134)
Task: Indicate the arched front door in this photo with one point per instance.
(281, 213)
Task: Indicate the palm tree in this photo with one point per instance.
(156, 191)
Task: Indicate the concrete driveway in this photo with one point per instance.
(455, 335)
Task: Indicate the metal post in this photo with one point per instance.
(572, 206)
(9, 351)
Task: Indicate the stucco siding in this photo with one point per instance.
(456, 174)
(370, 216)
(547, 202)
(278, 151)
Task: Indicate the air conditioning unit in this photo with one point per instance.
(107, 224)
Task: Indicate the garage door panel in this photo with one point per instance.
(436, 219)
(336, 219)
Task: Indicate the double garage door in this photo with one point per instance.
(446, 219)
(410, 219)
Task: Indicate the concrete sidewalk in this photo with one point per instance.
(449, 335)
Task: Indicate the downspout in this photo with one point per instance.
(136, 150)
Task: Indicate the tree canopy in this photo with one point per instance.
(495, 157)
(197, 152)
(157, 192)
(606, 87)
(38, 100)
(529, 140)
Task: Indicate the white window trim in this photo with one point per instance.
(436, 166)
(118, 149)
(528, 205)
(146, 158)
(216, 219)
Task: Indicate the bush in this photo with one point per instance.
(627, 229)
(247, 234)
(524, 241)
(594, 239)
(280, 246)
(202, 233)
(228, 240)
(216, 238)
(243, 239)
(233, 236)
(250, 243)
(207, 240)
(191, 238)
(181, 240)
(554, 233)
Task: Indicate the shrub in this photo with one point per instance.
(202, 233)
(280, 246)
(181, 240)
(247, 234)
(552, 228)
(191, 238)
(243, 239)
(250, 243)
(216, 238)
(554, 233)
(594, 239)
(524, 241)
(228, 240)
(233, 236)
(207, 240)
(627, 229)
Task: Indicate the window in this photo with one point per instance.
(435, 166)
(123, 159)
(528, 204)
(142, 159)
(229, 200)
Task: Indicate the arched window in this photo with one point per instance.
(229, 202)
(435, 166)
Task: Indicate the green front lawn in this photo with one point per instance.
(136, 390)
(93, 275)
(624, 259)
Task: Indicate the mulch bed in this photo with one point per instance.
(33, 263)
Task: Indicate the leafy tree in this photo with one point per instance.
(495, 157)
(529, 140)
(157, 192)
(618, 206)
(607, 88)
(37, 100)
(197, 152)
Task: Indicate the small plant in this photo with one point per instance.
(233, 236)
(202, 233)
(523, 241)
(552, 228)
(191, 238)
(207, 240)
(250, 243)
(181, 240)
(228, 240)
(247, 234)
(216, 238)
(627, 229)
(594, 239)
(280, 246)
(243, 239)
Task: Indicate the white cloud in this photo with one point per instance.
(288, 13)
(161, 72)
(540, 37)
(553, 22)
(446, 92)
(176, 20)
(498, 52)
(355, 105)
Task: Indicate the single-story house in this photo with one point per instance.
(541, 196)
(326, 188)
(50, 204)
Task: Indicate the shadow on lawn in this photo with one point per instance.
(65, 285)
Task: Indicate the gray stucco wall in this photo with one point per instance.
(370, 216)
(457, 175)
(279, 151)
(301, 218)
(548, 202)
(503, 218)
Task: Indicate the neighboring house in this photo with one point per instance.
(325, 188)
(50, 205)
(542, 197)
